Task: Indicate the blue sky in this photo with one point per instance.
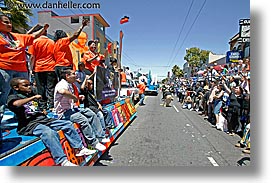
(154, 27)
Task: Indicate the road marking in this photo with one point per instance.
(175, 108)
(214, 163)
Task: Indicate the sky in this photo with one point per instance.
(156, 26)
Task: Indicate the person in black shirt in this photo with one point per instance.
(236, 98)
(33, 122)
(90, 102)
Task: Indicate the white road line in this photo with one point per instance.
(175, 108)
(214, 163)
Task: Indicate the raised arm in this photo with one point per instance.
(37, 34)
(76, 34)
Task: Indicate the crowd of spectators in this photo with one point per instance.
(221, 94)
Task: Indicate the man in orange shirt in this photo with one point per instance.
(62, 52)
(142, 87)
(42, 64)
(123, 80)
(12, 56)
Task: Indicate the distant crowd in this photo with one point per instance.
(220, 93)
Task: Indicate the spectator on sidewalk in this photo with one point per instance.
(233, 113)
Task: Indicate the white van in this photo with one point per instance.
(129, 89)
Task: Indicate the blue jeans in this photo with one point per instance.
(142, 96)
(88, 121)
(102, 122)
(50, 138)
(217, 107)
(5, 77)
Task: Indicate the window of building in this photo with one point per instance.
(99, 25)
(74, 19)
(86, 17)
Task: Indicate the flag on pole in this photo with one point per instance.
(123, 20)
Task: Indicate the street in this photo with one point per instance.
(172, 136)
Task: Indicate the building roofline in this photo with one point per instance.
(236, 36)
(98, 16)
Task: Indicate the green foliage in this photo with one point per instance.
(177, 71)
(196, 57)
(18, 13)
(164, 81)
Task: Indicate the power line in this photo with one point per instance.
(188, 31)
(170, 58)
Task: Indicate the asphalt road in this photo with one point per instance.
(172, 136)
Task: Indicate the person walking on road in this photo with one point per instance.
(167, 98)
(142, 87)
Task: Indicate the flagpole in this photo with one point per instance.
(120, 47)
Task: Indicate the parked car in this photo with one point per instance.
(129, 89)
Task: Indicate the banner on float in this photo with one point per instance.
(108, 93)
(234, 56)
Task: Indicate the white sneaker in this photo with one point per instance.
(67, 163)
(104, 140)
(100, 147)
(85, 151)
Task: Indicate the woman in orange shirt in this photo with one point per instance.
(13, 56)
(91, 58)
(62, 52)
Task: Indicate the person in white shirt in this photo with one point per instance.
(65, 104)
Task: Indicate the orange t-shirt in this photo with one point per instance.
(62, 52)
(90, 65)
(42, 50)
(15, 58)
(123, 77)
(141, 87)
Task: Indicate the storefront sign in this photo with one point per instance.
(244, 30)
(234, 56)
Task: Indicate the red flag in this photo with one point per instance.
(109, 48)
(123, 20)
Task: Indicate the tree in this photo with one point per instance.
(196, 57)
(177, 71)
(18, 14)
(164, 81)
